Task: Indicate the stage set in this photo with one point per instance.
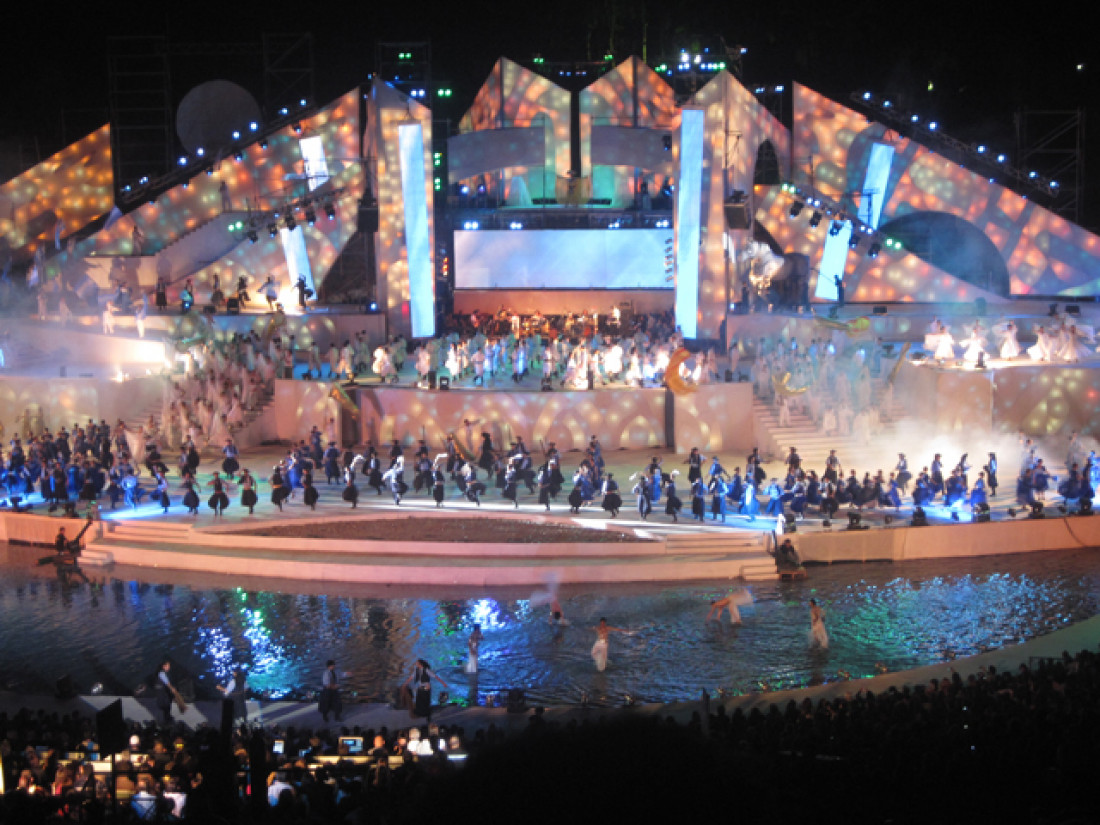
(655, 205)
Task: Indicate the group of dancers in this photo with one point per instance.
(1062, 341)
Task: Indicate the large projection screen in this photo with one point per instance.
(561, 259)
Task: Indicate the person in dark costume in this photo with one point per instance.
(310, 495)
(161, 491)
(351, 492)
(645, 499)
(612, 501)
(374, 472)
(576, 499)
(280, 490)
(248, 491)
(331, 461)
(542, 479)
(485, 458)
(190, 498)
(231, 463)
(991, 473)
(510, 483)
(421, 680)
(698, 499)
(695, 465)
(439, 483)
(219, 500)
(673, 505)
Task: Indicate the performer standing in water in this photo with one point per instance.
(599, 649)
(472, 645)
(818, 634)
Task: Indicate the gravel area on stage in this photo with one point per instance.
(476, 530)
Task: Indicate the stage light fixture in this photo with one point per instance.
(272, 229)
(1086, 507)
(374, 306)
(981, 149)
(290, 222)
(920, 519)
(1036, 510)
(666, 142)
(855, 520)
(144, 179)
(238, 156)
(284, 111)
(236, 134)
(873, 250)
(1001, 158)
(302, 103)
(866, 95)
(932, 126)
(182, 160)
(835, 227)
(853, 242)
(330, 211)
(954, 516)
(263, 144)
(252, 237)
(914, 118)
(311, 215)
(297, 128)
(796, 209)
(815, 219)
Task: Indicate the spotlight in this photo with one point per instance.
(1001, 158)
(834, 228)
(855, 520)
(290, 222)
(1012, 512)
(873, 250)
(297, 128)
(1086, 507)
(796, 209)
(272, 229)
(284, 111)
(374, 306)
(238, 156)
(1036, 510)
(920, 519)
(236, 135)
(980, 513)
(252, 237)
(330, 211)
(853, 242)
(888, 519)
(826, 523)
(263, 144)
(311, 215)
(932, 126)
(914, 118)
(815, 219)
(182, 160)
(666, 142)
(253, 126)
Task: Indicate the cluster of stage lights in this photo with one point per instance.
(837, 219)
(308, 209)
(978, 151)
(200, 156)
(698, 62)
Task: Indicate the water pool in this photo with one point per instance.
(113, 631)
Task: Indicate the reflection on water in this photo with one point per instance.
(115, 630)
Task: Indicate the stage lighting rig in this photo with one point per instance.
(796, 209)
(920, 519)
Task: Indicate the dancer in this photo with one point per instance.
(612, 501)
(472, 645)
(729, 603)
(421, 677)
(641, 490)
(818, 634)
(310, 495)
(248, 491)
(351, 492)
(599, 649)
(673, 505)
(219, 500)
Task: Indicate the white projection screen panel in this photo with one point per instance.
(561, 259)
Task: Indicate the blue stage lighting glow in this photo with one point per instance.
(914, 118)
(302, 102)
(182, 160)
(253, 126)
(981, 148)
(692, 137)
(1054, 184)
(779, 89)
(200, 152)
(410, 139)
(1001, 158)
(1033, 174)
(932, 126)
(866, 95)
(236, 135)
(284, 111)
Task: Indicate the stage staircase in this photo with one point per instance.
(159, 541)
(813, 445)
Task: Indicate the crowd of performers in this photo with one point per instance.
(1062, 340)
(573, 351)
(96, 462)
(830, 380)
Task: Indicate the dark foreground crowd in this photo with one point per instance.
(1006, 747)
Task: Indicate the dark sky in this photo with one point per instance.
(983, 61)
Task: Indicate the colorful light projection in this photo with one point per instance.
(264, 180)
(632, 97)
(513, 96)
(74, 186)
(1044, 254)
(387, 112)
(737, 126)
(629, 419)
(893, 275)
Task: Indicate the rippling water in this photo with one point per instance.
(114, 631)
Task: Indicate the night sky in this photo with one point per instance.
(968, 65)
